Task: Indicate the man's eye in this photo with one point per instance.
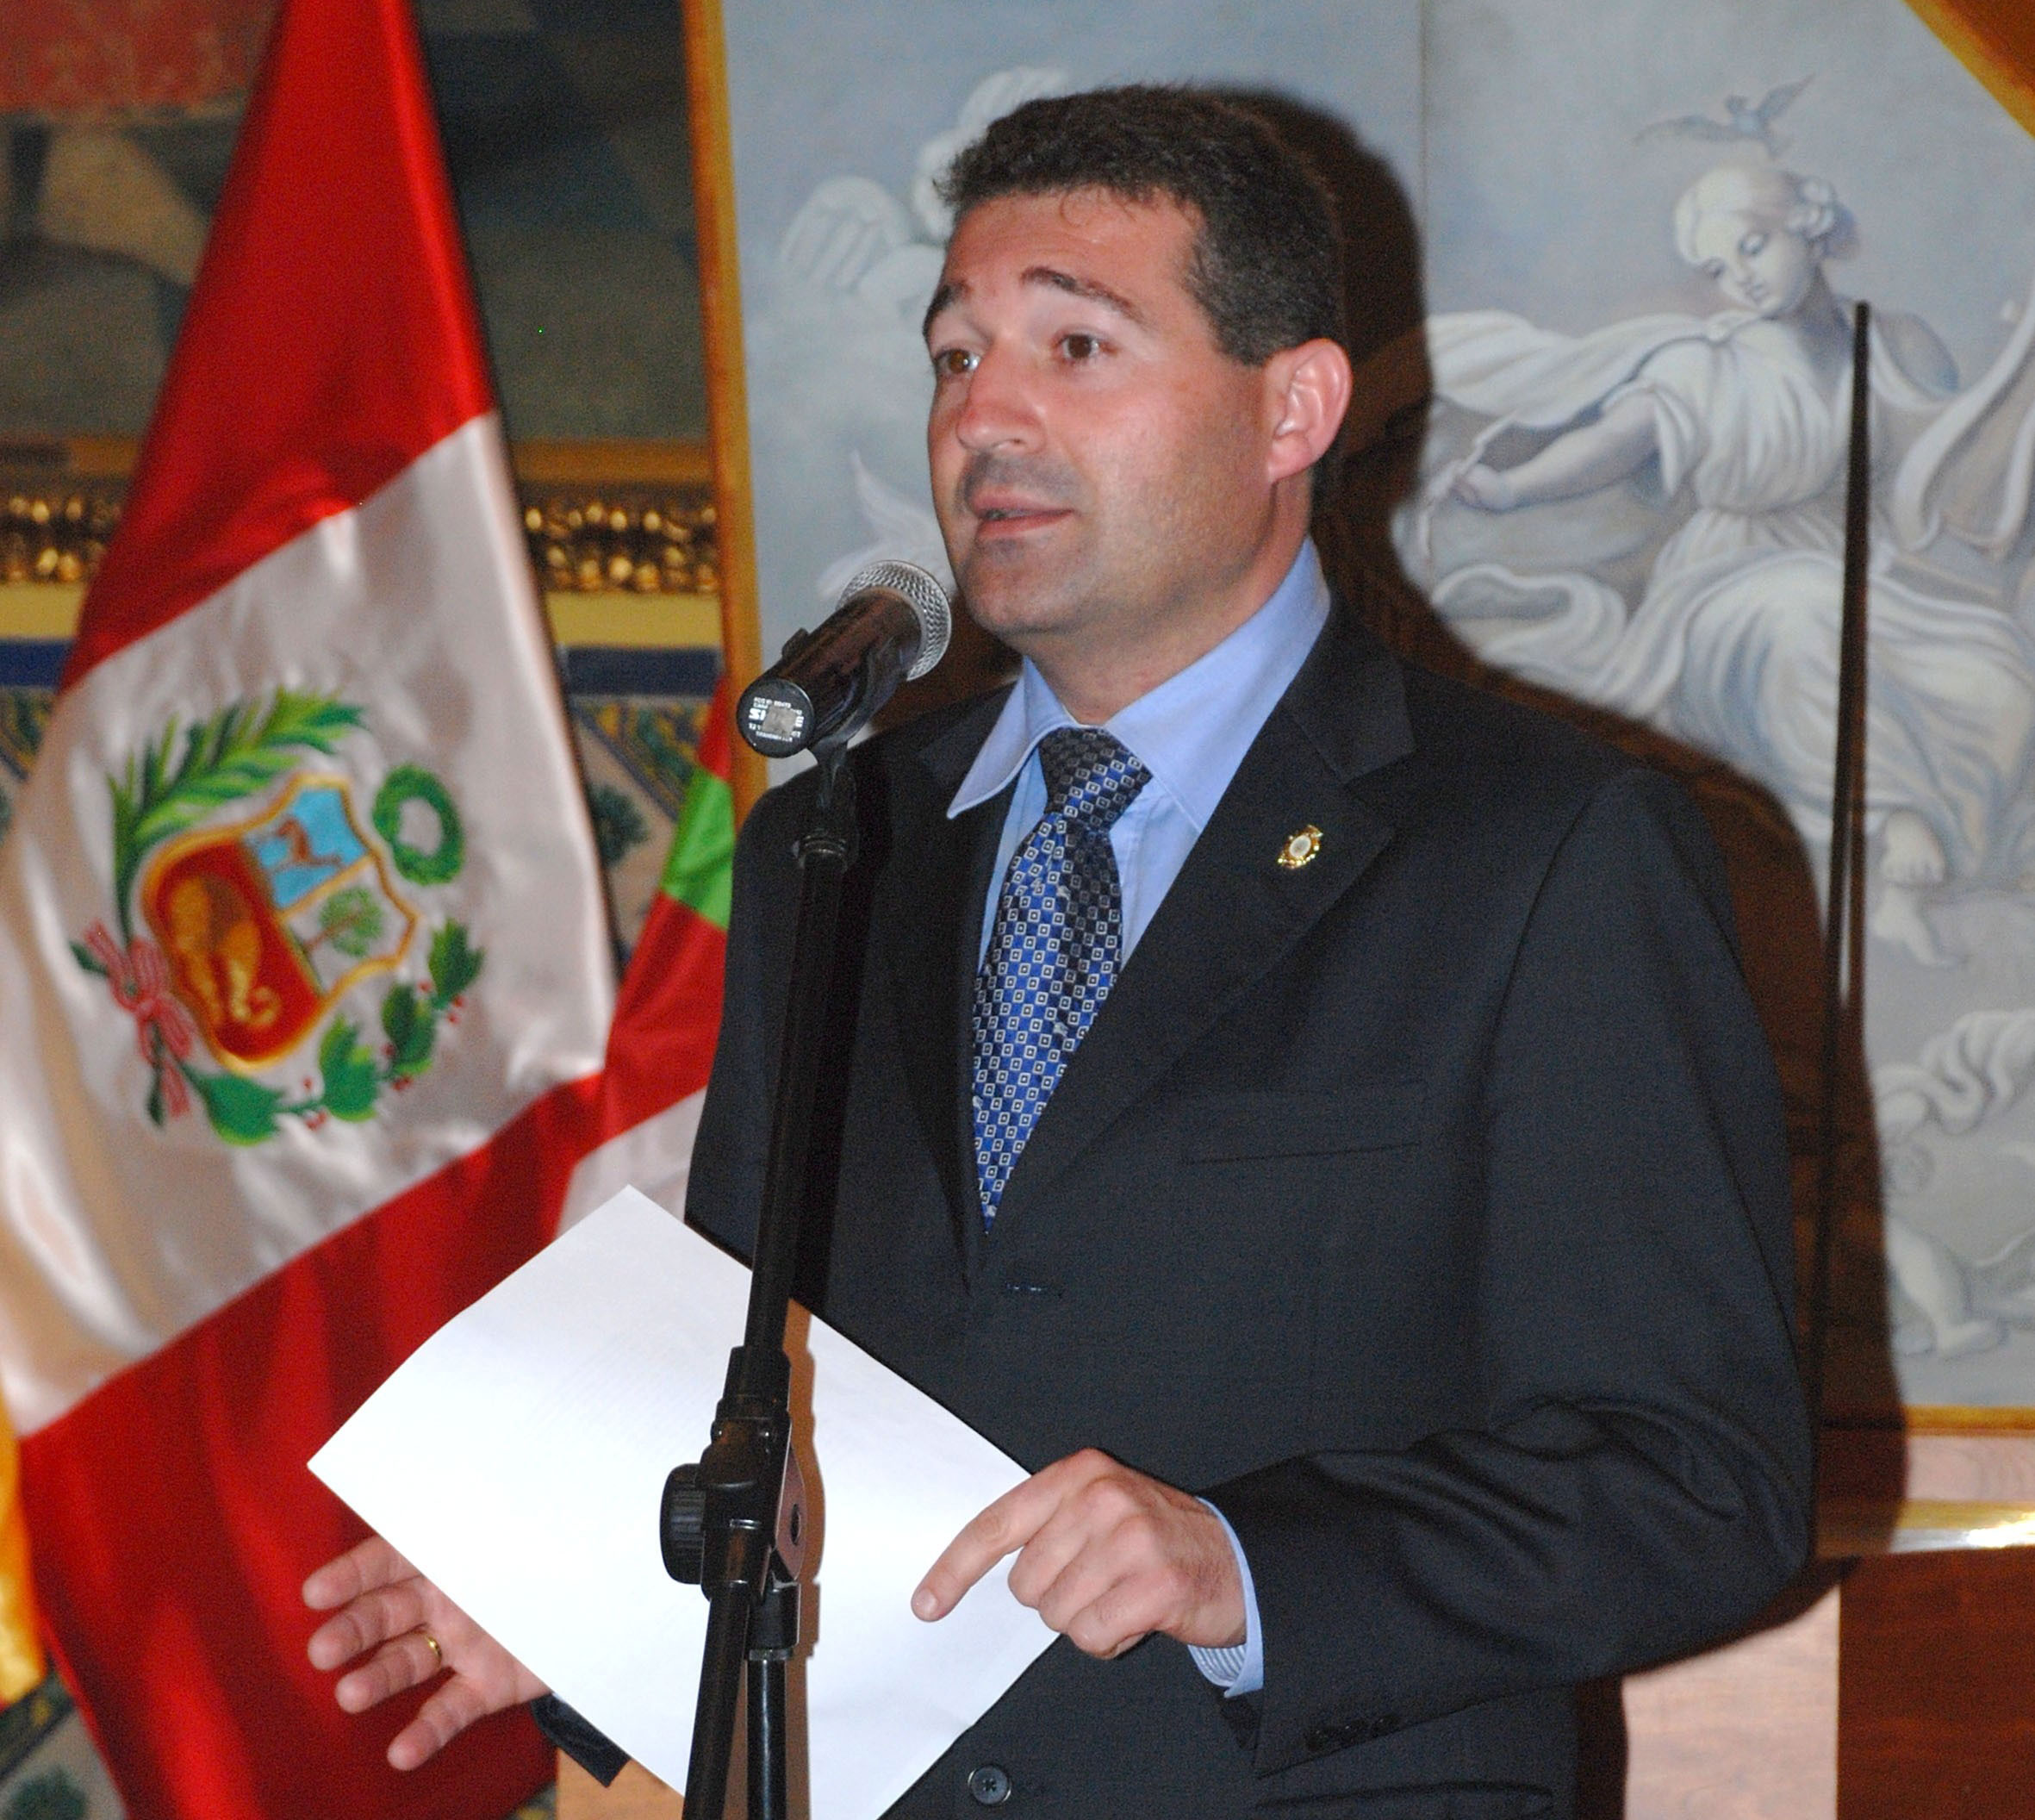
(950, 363)
(1752, 243)
(1080, 347)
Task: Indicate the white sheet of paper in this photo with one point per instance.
(517, 1459)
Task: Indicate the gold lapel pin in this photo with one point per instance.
(1300, 849)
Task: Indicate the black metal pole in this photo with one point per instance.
(825, 855)
(1843, 960)
(769, 1780)
(714, 1714)
(772, 1639)
(733, 1524)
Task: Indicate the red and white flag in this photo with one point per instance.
(304, 975)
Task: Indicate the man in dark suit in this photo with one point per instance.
(1306, 1111)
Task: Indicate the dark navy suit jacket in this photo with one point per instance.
(1424, 1206)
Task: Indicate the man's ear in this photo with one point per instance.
(1307, 391)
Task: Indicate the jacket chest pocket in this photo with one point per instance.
(1265, 1127)
(1281, 1194)
(1208, 1251)
(1273, 1182)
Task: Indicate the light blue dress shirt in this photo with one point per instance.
(1190, 733)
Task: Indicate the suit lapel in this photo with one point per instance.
(1233, 912)
(935, 928)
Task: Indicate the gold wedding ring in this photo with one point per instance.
(433, 1644)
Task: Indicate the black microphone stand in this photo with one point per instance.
(735, 1523)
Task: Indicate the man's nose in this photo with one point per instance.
(998, 408)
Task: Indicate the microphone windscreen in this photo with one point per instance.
(925, 597)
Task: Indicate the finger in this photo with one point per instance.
(1087, 1577)
(1123, 1557)
(373, 1618)
(1008, 1524)
(407, 1662)
(840, 262)
(1117, 1592)
(362, 1568)
(1079, 1532)
(798, 241)
(440, 1720)
(1104, 1617)
(1044, 1561)
(1121, 1616)
(1149, 1561)
(1105, 1528)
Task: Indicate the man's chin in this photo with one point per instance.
(1010, 599)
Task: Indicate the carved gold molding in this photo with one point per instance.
(592, 543)
(605, 519)
(54, 535)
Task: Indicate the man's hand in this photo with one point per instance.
(386, 1606)
(1105, 1555)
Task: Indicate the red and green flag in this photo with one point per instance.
(668, 1012)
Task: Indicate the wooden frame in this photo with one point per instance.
(727, 386)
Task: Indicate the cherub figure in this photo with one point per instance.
(1722, 440)
(840, 338)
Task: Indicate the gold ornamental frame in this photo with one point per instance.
(727, 388)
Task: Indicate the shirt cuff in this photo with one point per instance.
(1238, 1667)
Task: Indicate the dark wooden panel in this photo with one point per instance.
(1936, 1688)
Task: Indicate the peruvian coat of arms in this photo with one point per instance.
(250, 899)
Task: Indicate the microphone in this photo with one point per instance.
(892, 626)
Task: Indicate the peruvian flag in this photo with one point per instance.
(304, 975)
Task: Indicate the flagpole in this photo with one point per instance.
(1844, 957)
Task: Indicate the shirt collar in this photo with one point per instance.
(1191, 731)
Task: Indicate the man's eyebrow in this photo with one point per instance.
(1088, 287)
(953, 291)
(948, 293)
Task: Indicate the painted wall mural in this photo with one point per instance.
(1633, 495)
(842, 235)
(565, 127)
(1642, 222)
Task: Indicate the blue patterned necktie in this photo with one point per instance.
(1053, 950)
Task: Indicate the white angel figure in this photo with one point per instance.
(1963, 1078)
(988, 101)
(901, 530)
(851, 235)
(1680, 483)
(842, 381)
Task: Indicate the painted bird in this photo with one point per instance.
(1743, 119)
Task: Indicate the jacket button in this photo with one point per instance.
(989, 1784)
(1323, 1737)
